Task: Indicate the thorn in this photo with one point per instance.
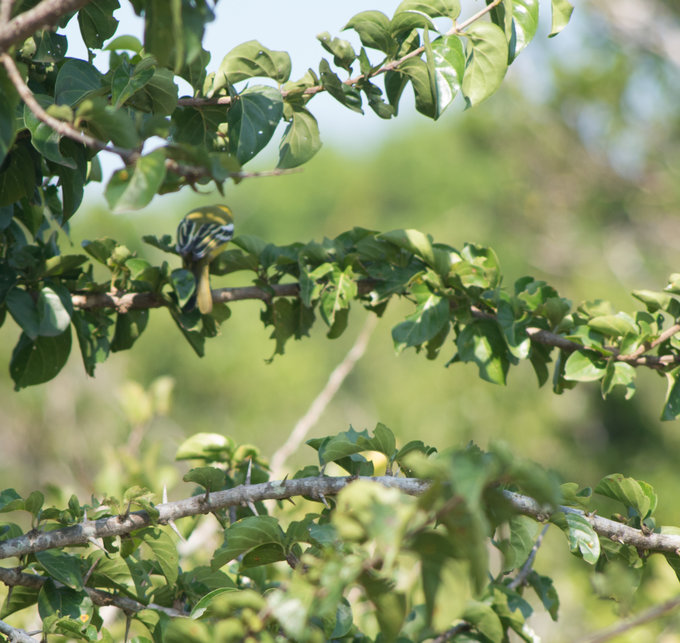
(290, 500)
(93, 541)
(173, 526)
(323, 499)
(165, 493)
(250, 471)
(251, 506)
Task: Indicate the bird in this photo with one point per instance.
(201, 235)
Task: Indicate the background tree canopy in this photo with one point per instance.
(420, 239)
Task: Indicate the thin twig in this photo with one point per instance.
(323, 399)
(634, 621)
(13, 577)
(451, 632)
(521, 577)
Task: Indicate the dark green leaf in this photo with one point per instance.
(671, 409)
(544, 588)
(97, 23)
(62, 567)
(432, 8)
(252, 121)
(24, 311)
(342, 50)
(10, 500)
(425, 323)
(482, 343)
(129, 327)
(9, 99)
(210, 478)
(373, 28)
(18, 599)
(247, 534)
(164, 550)
(76, 80)
(37, 361)
(300, 141)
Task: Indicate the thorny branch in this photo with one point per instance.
(312, 487)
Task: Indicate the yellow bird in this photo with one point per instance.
(201, 236)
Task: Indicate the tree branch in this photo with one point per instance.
(15, 635)
(14, 576)
(314, 487)
(634, 621)
(44, 15)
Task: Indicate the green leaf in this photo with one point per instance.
(19, 598)
(449, 64)
(632, 493)
(373, 28)
(131, 43)
(105, 122)
(561, 13)
(10, 500)
(129, 327)
(210, 478)
(619, 374)
(17, 175)
(247, 534)
(100, 249)
(390, 604)
(487, 61)
(432, 8)
(613, 325)
(126, 81)
(39, 360)
(482, 617)
(24, 311)
(582, 538)
(43, 137)
(584, 366)
(523, 534)
(165, 551)
(92, 332)
(546, 592)
(76, 80)
(342, 50)
(345, 94)
(300, 141)
(252, 121)
(654, 300)
(54, 310)
(382, 441)
(62, 567)
(671, 408)
(133, 189)
(252, 59)
(9, 99)
(417, 72)
(206, 446)
(62, 264)
(482, 343)
(429, 318)
(412, 240)
(97, 22)
(524, 26)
